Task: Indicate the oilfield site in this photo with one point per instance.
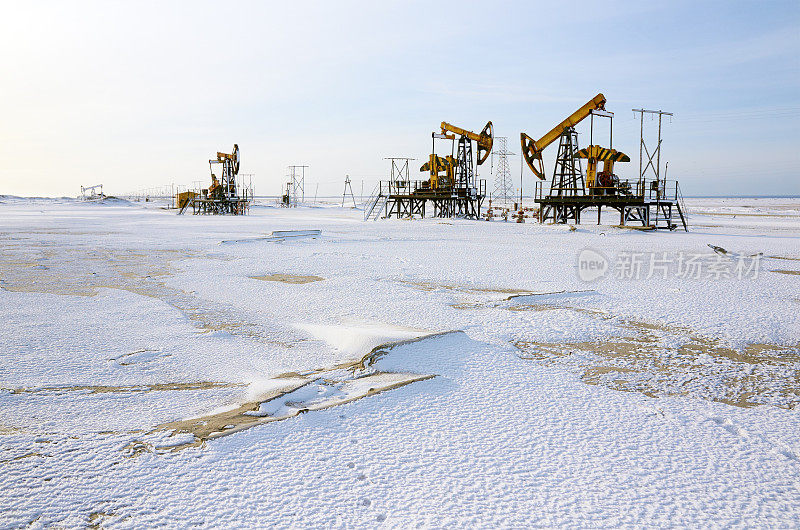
(450, 187)
(482, 317)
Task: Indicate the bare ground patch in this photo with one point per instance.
(84, 271)
(661, 360)
(105, 389)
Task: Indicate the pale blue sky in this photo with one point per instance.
(137, 95)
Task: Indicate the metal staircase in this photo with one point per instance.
(375, 204)
(666, 207)
(682, 211)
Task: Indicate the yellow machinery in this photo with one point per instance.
(484, 140)
(450, 171)
(605, 182)
(440, 169)
(230, 168)
(572, 193)
(185, 198)
(215, 190)
(224, 195)
(532, 149)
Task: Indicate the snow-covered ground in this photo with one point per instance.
(397, 373)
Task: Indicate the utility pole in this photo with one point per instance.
(399, 171)
(521, 166)
(298, 182)
(344, 194)
(399, 180)
(643, 147)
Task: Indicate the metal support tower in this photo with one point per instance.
(567, 182)
(656, 168)
(465, 173)
(567, 173)
(246, 183)
(297, 183)
(503, 188)
(399, 180)
(347, 186)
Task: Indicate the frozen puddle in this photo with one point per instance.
(291, 394)
(278, 236)
(288, 278)
(321, 393)
(471, 297)
(432, 286)
(522, 300)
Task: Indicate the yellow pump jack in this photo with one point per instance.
(532, 149)
(442, 168)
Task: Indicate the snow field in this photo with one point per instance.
(118, 319)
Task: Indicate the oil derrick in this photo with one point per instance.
(230, 168)
(567, 178)
(225, 196)
(452, 186)
(465, 174)
(652, 203)
(567, 174)
(503, 189)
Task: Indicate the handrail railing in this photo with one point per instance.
(411, 187)
(652, 190)
(684, 213)
(372, 202)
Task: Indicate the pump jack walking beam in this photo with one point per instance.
(532, 149)
(484, 140)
